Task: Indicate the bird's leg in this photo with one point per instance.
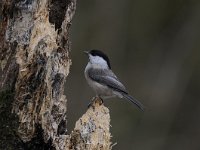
(92, 101)
(96, 99)
(101, 100)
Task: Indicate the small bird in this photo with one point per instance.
(103, 81)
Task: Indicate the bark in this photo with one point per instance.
(34, 59)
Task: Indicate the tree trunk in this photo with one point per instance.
(34, 60)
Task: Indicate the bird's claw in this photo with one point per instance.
(95, 100)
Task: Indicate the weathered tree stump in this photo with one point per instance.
(34, 59)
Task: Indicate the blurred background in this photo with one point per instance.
(154, 47)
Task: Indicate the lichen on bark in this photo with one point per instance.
(92, 130)
(43, 67)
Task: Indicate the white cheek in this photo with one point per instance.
(98, 61)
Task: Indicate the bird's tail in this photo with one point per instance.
(134, 101)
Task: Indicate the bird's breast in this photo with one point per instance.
(100, 89)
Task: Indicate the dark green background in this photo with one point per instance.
(154, 47)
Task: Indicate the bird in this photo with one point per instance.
(103, 81)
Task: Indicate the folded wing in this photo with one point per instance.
(107, 78)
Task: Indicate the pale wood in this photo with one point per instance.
(35, 62)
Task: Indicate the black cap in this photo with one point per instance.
(99, 53)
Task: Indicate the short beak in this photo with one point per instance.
(86, 52)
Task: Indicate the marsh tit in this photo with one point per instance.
(103, 81)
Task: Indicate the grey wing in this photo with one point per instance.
(108, 78)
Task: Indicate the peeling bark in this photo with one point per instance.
(91, 132)
(34, 60)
